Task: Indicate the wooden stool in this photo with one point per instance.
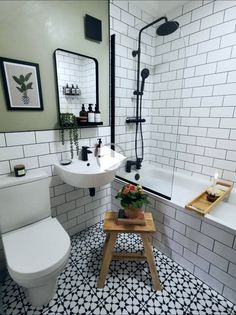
(112, 229)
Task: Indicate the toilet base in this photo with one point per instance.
(38, 296)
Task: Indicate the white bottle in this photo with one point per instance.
(90, 114)
(97, 115)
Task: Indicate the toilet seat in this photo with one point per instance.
(36, 250)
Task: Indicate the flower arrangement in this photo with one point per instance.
(132, 196)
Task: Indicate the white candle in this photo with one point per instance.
(215, 181)
(215, 178)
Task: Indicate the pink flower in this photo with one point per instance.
(132, 188)
(126, 190)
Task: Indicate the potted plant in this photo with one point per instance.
(68, 122)
(133, 199)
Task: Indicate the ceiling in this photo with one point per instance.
(158, 7)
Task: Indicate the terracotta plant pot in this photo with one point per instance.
(133, 213)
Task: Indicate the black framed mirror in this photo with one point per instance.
(77, 84)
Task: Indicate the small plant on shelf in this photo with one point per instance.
(68, 122)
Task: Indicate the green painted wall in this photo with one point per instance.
(31, 31)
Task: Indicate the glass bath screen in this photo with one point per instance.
(164, 57)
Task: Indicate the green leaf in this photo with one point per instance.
(23, 87)
(28, 76)
(29, 86)
(16, 79)
(19, 89)
(22, 79)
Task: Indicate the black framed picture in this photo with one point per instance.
(22, 85)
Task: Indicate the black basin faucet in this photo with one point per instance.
(85, 153)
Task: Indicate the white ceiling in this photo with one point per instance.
(158, 7)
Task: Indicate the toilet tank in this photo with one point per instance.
(23, 200)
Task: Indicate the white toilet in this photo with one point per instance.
(36, 246)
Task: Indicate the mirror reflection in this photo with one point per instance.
(77, 83)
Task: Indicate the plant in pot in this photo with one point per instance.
(133, 199)
(68, 123)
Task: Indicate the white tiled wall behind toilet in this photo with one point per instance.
(74, 208)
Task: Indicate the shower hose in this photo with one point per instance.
(139, 123)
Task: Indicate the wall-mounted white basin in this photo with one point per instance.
(92, 173)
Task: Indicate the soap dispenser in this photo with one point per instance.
(97, 151)
(73, 90)
(67, 90)
(90, 113)
(77, 90)
(97, 114)
(83, 115)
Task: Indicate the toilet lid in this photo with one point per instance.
(37, 249)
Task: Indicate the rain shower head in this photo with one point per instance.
(167, 28)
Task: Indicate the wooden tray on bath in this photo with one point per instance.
(202, 205)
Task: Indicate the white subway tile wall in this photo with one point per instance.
(73, 207)
(203, 64)
(206, 135)
(203, 247)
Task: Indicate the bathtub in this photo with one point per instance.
(158, 181)
(154, 179)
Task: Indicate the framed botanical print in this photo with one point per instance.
(22, 85)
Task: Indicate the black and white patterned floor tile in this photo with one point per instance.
(212, 302)
(12, 297)
(204, 304)
(163, 303)
(183, 288)
(128, 288)
(133, 243)
(122, 301)
(81, 301)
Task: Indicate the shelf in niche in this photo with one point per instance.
(71, 94)
(76, 89)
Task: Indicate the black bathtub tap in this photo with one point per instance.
(129, 164)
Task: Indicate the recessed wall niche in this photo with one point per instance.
(76, 72)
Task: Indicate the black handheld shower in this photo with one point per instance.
(144, 75)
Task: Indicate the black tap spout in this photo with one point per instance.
(85, 152)
(130, 163)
